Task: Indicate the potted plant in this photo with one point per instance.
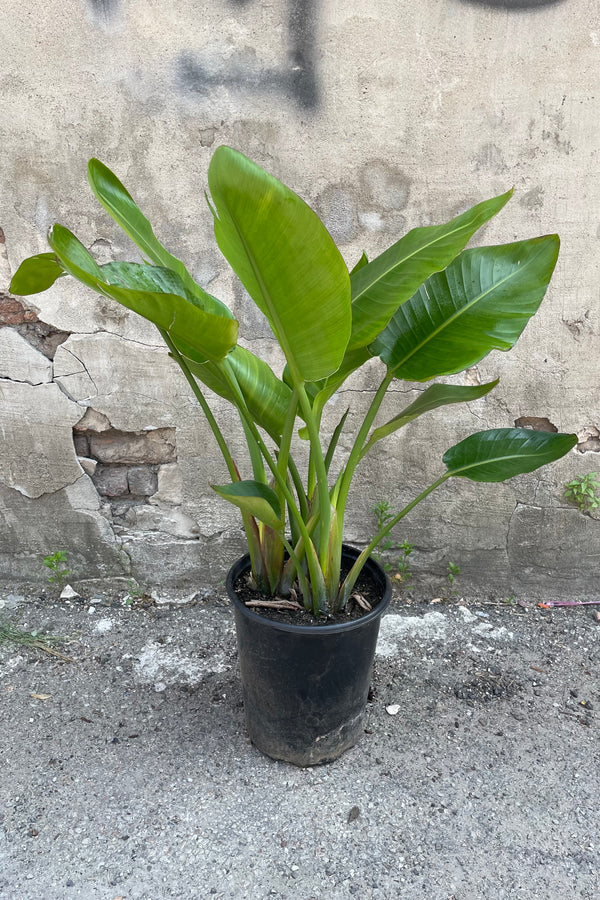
(426, 307)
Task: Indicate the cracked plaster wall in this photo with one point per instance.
(383, 116)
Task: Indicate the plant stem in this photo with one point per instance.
(321, 474)
(302, 499)
(350, 581)
(316, 574)
(250, 525)
(205, 407)
(286, 440)
(357, 447)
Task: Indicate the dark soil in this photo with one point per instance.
(364, 587)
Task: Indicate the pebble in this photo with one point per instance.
(466, 614)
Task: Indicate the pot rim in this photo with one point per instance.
(244, 562)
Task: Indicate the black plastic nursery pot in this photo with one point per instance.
(305, 687)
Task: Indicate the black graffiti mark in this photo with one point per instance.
(513, 4)
(104, 9)
(298, 80)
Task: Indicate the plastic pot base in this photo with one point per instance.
(305, 687)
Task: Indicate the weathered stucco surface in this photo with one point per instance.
(384, 115)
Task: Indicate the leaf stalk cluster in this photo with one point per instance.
(426, 306)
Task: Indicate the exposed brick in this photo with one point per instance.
(12, 311)
(44, 338)
(82, 447)
(121, 509)
(535, 423)
(111, 481)
(170, 487)
(89, 466)
(92, 420)
(129, 448)
(142, 480)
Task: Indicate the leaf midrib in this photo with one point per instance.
(406, 258)
(463, 309)
(281, 336)
(496, 459)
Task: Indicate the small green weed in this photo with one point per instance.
(57, 563)
(584, 491)
(36, 640)
(16, 635)
(383, 512)
(137, 594)
(453, 572)
(135, 591)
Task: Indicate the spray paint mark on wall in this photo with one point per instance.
(104, 10)
(296, 78)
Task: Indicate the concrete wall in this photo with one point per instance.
(384, 114)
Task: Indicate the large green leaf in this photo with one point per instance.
(364, 259)
(36, 274)
(481, 302)
(119, 204)
(266, 396)
(254, 498)
(166, 281)
(145, 278)
(435, 396)
(286, 260)
(200, 334)
(74, 257)
(379, 287)
(504, 452)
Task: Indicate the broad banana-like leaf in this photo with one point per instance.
(201, 335)
(254, 498)
(121, 207)
(167, 281)
(381, 286)
(36, 274)
(481, 302)
(362, 262)
(266, 397)
(504, 452)
(286, 260)
(145, 278)
(435, 396)
(74, 258)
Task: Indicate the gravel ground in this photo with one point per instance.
(127, 773)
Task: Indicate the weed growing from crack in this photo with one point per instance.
(453, 572)
(383, 512)
(59, 571)
(584, 491)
